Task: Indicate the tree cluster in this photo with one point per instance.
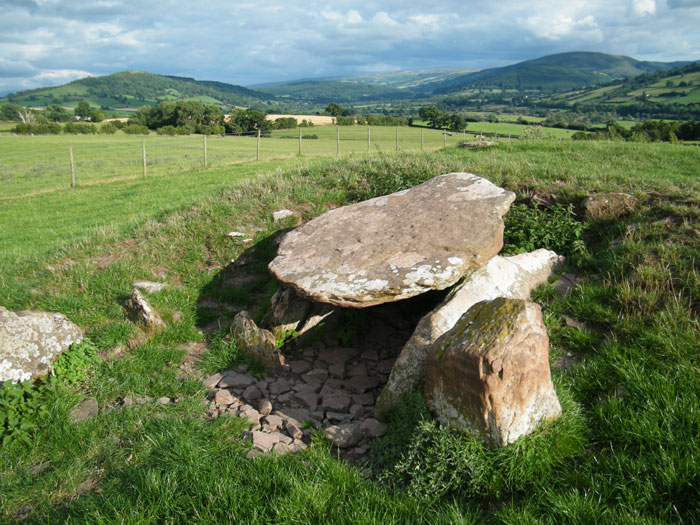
(439, 120)
(648, 131)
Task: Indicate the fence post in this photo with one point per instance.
(72, 168)
(257, 156)
(464, 135)
(397, 139)
(143, 157)
(337, 144)
(421, 139)
(509, 136)
(369, 141)
(444, 138)
(300, 141)
(205, 150)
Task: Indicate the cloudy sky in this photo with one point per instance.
(50, 42)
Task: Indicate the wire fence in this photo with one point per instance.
(35, 164)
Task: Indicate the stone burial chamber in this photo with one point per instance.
(415, 262)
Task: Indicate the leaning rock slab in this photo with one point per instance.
(257, 343)
(514, 277)
(397, 246)
(489, 374)
(31, 341)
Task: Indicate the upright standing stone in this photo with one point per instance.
(489, 374)
(31, 341)
(257, 343)
(397, 246)
(514, 277)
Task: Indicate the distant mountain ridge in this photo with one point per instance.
(563, 71)
(138, 88)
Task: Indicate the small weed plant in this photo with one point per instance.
(555, 228)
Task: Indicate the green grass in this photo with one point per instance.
(42, 163)
(627, 449)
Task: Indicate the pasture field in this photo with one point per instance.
(31, 164)
(627, 449)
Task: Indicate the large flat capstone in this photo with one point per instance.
(397, 246)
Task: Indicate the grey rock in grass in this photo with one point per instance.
(280, 215)
(86, 409)
(31, 341)
(478, 144)
(232, 379)
(257, 343)
(343, 436)
(149, 286)
(397, 246)
(213, 380)
(608, 206)
(286, 311)
(294, 430)
(139, 311)
(513, 277)
(264, 441)
(489, 375)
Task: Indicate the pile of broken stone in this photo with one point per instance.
(481, 355)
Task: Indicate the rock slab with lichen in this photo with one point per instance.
(489, 375)
(31, 341)
(514, 277)
(396, 246)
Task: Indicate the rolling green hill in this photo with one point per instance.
(132, 89)
(675, 86)
(324, 91)
(561, 72)
(354, 88)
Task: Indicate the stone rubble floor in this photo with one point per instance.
(324, 386)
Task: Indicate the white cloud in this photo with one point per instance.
(353, 17)
(643, 7)
(243, 43)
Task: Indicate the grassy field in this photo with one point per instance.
(626, 451)
(42, 163)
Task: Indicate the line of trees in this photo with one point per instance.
(649, 131)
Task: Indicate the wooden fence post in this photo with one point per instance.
(143, 156)
(72, 168)
(444, 138)
(257, 156)
(205, 150)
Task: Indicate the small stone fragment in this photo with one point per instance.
(141, 312)
(149, 286)
(279, 387)
(293, 430)
(251, 393)
(165, 400)
(264, 441)
(257, 343)
(337, 403)
(236, 380)
(308, 399)
(280, 449)
(343, 436)
(213, 380)
(86, 409)
(280, 215)
(272, 422)
(223, 398)
(372, 427)
(300, 366)
(361, 384)
(265, 406)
